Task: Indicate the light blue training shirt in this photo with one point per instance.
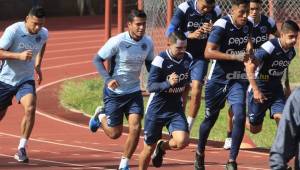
(16, 38)
(127, 57)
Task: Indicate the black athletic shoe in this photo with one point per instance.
(231, 166)
(157, 156)
(199, 162)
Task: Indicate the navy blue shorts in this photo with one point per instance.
(116, 105)
(199, 69)
(154, 123)
(7, 92)
(257, 111)
(217, 93)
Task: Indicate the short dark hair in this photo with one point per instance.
(256, 1)
(239, 2)
(177, 35)
(289, 25)
(136, 13)
(210, 1)
(37, 11)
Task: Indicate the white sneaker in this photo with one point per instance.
(227, 143)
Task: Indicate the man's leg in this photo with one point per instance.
(178, 127)
(215, 97)
(195, 101)
(29, 104)
(227, 143)
(145, 155)
(134, 123)
(198, 73)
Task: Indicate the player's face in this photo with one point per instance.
(255, 9)
(177, 49)
(240, 14)
(34, 24)
(204, 7)
(137, 28)
(289, 38)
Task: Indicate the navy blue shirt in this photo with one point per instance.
(231, 40)
(165, 98)
(273, 61)
(262, 30)
(188, 19)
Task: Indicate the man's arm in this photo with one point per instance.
(156, 81)
(177, 19)
(38, 63)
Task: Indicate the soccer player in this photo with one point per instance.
(227, 45)
(22, 47)
(287, 141)
(195, 18)
(122, 94)
(263, 27)
(266, 92)
(168, 78)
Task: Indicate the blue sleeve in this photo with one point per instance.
(98, 62)
(157, 81)
(273, 27)
(264, 51)
(8, 37)
(177, 22)
(109, 49)
(287, 137)
(216, 35)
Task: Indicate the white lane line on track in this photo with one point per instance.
(65, 65)
(56, 162)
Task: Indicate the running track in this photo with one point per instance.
(60, 139)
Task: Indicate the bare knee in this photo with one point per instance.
(182, 143)
(255, 129)
(30, 110)
(115, 134)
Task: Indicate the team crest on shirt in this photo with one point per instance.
(186, 64)
(246, 29)
(144, 46)
(263, 29)
(38, 39)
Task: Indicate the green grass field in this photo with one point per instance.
(85, 95)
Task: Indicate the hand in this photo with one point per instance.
(197, 34)
(39, 74)
(25, 55)
(258, 96)
(173, 79)
(207, 27)
(242, 57)
(113, 84)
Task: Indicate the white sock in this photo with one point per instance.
(190, 121)
(100, 116)
(23, 143)
(124, 162)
